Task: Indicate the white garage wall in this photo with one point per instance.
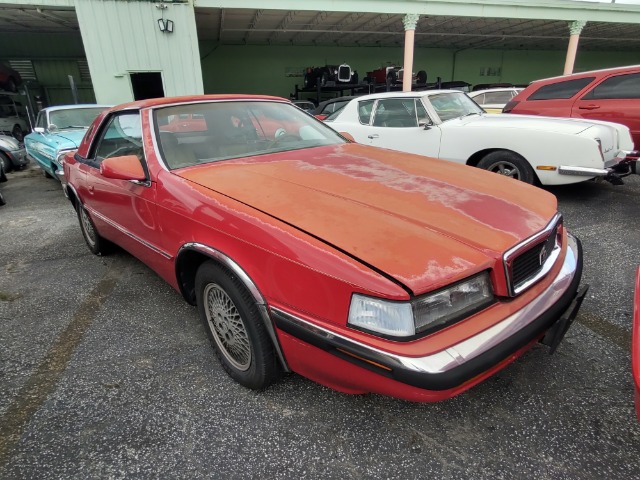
(122, 37)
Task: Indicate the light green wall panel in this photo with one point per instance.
(273, 70)
(270, 69)
(122, 37)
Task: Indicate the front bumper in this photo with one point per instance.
(451, 368)
(18, 157)
(610, 168)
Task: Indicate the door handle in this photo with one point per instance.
(373, 135)
(90, 188)
(589, 107)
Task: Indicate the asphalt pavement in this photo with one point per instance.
(105, 372)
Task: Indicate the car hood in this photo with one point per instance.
(568, 126)
(422, 221)
(62, 138)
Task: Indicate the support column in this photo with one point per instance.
(575, 28)
(410, 21)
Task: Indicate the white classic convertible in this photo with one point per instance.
(447, 124)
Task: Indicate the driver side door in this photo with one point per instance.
(126, 208)
(403, 124)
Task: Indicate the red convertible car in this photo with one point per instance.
(363, 269)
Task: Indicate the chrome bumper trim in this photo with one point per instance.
(583, 171)
(471, 348)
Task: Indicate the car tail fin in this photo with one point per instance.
(510, 106)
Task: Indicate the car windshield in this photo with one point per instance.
(73, 117)
(452, 105)
(192, 134)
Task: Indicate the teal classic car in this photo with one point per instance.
(57, 131)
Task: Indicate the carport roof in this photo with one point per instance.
(454, 24)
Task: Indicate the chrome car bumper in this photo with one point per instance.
(554, 307)
(594, 172)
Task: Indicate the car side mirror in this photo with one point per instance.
(348, 136)
(126, 167)
(427, 124)
(38, 129)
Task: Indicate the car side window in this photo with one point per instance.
(421, 112)
(497, 97)
(41, 120)
(560, 90)
(121, 136)
(364, 111)
(479, 99)
(395, 113)
(620, 86)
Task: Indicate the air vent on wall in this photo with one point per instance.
(24, 68)
(83, 66)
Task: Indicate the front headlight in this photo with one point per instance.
(425, 313)
(61, 154)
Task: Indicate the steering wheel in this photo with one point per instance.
(284, 138)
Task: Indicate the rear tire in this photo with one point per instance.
(509, 164)
(235, 327)
(97, 245)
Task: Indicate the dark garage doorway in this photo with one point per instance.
(146, 85)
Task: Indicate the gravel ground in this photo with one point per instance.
(105, 372)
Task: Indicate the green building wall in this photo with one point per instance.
(271, 69)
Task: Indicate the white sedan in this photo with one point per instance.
(447, 124)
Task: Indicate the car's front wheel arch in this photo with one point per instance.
(527, 172)
(189, 260)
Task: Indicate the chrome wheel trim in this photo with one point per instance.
(87, 228)
(225, 323)
(505, 168)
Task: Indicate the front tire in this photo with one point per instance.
(509, 164)
(235, 328)
(7, 166)
(97, 245)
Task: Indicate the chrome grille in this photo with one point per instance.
(531, 260)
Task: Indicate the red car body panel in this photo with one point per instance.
(350, 182)
(312, 227)
(620, 110)
(635, 343)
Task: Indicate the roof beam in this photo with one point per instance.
(524, 9)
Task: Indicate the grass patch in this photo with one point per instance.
(8, 297)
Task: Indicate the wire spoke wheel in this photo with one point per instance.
(235, 327)
(87, 228)
(226, 325)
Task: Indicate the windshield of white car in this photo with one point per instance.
(192, 134)
(452, 105)
(73, 117)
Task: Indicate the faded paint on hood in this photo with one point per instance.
(422, 221)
